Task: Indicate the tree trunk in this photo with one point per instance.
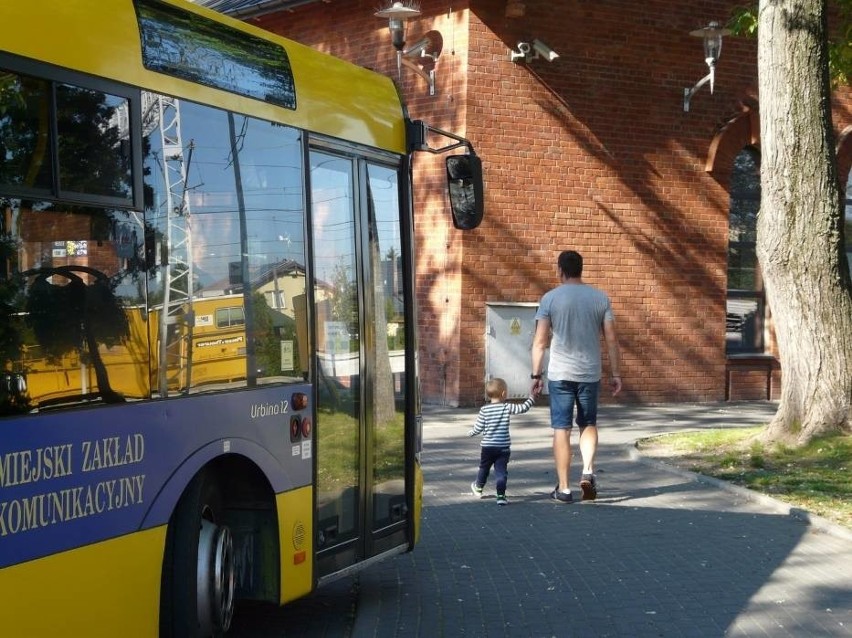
(101, 375)
(799, 225)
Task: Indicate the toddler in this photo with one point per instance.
(493, 423)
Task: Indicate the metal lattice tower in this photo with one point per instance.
(176, 318)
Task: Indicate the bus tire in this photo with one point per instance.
(198, 582)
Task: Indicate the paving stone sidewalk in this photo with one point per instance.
(658, 554)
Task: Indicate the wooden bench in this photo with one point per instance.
(765, 363)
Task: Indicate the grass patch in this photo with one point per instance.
(817, 477)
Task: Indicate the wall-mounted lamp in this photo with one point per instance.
(425, 51)
(712, 35)
(527, 52)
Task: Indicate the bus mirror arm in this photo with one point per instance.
(417, 130)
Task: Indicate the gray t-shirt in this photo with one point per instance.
(576, 313)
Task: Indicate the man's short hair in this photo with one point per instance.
(571, 263)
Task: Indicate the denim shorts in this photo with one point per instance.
(563, 396)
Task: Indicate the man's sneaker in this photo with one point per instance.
(589, 487)
(502, 500)
(476, 490)
(562, 497)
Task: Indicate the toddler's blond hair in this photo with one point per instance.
(495, 388)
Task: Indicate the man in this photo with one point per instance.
(569, 321)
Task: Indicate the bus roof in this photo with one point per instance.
(332, 97)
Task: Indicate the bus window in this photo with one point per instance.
(91, 146)
(389, 398)
(103, 169)
(73, 300)
(229, 215)
(25, 162)
(338, 486)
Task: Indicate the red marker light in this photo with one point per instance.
(299, 401)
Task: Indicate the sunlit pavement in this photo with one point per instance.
(657, 554)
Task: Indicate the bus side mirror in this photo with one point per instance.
(464, 185)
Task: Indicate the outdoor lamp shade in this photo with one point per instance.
(398, 10)
(397, 30)
(713, 45)
(397, 13)
(712, 35)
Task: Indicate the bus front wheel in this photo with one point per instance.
(197, 597)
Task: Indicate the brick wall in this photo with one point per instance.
(591, 152)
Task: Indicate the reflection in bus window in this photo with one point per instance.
(228, 215)
(338, 348)
(389, 311)
(104, 167)
(25, 132)
(72, 299)
(71, 286)
(82, 132)
(227, 317)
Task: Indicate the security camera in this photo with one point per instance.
(429, 46)
(543, 50)
(523, 52)
(418, 49)
(528, 52)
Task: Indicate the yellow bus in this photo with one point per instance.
(209, 388)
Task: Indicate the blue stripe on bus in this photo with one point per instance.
(77, 477)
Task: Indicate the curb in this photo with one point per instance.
(818, 523)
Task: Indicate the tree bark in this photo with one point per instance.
(799, 225)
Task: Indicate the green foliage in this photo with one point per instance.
(744, 21)
(337, 434)
(389, 450)
(840, 55)
(757, 460)
(815, 477)
(9, 94)
(268, 335)
(11, 299)
(338, 439)
(344, 297)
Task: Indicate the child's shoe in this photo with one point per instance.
(476, 490)
(502, 500)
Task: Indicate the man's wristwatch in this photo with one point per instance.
(535, 376)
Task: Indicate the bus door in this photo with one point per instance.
(361, 327)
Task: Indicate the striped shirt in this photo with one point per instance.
(493, 422)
